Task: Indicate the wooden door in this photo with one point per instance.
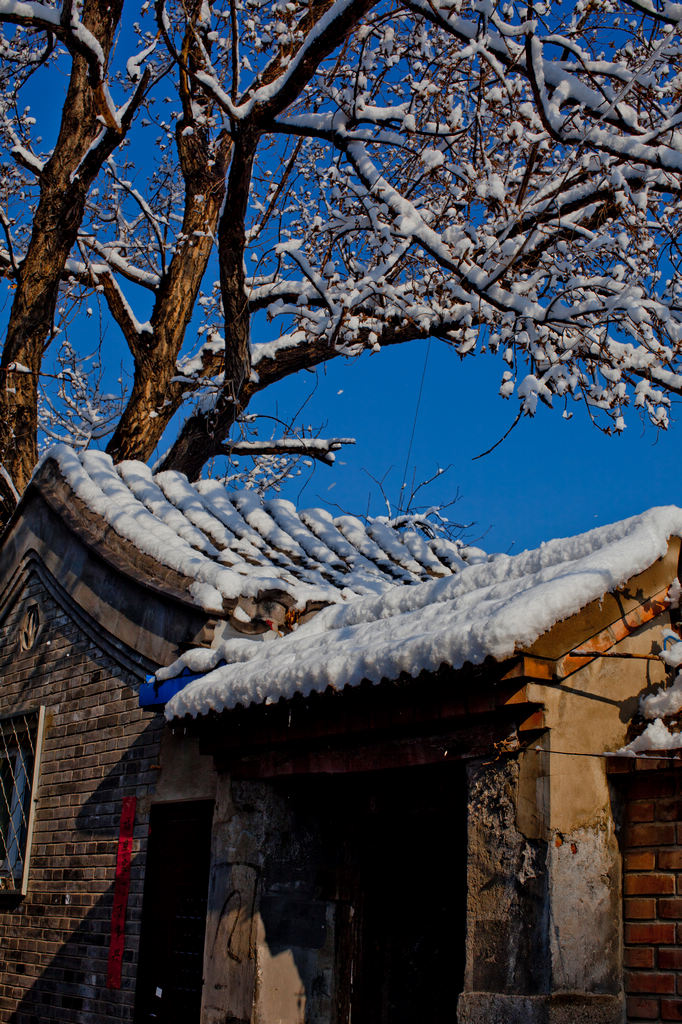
(169, 979)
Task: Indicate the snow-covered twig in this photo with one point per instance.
(319, 448)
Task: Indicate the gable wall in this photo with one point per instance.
(99, 747)
(146, 615)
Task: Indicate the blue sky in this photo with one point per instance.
(551, 477)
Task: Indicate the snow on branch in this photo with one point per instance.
(668, 12)
(7, 484)
(65, 24)
(325, 179)
(9, 496)
(322, 449)
(285, 79)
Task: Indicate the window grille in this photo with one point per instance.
(20, 746)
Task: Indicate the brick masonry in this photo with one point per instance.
(652, 896)
(99, 747)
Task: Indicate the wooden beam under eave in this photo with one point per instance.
(533, 668)
(364, 754)
(603, 642)
(528, 667)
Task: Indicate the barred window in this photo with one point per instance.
(20, 744)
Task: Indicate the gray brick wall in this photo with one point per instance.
(99, 747)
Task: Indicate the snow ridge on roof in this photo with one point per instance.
(232, 545)
(490, 609)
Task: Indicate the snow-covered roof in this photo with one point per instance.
(234, 549)
(491, 609)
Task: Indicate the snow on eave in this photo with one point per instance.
(487, 610)
(233, 549)
(93, 479)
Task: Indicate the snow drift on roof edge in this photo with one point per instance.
(490, 609)
(232, 545)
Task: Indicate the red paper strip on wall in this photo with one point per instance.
(121, 888)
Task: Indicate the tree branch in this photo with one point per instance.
(322, 449)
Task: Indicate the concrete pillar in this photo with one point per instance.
(270, 937)
(231, 925)
(543, 911)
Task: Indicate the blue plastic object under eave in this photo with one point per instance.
(156, 695)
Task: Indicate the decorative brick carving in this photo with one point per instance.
(28, 630)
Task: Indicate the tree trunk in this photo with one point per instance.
(64, 185)
(155, 353)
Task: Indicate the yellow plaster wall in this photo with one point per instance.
(589, 711)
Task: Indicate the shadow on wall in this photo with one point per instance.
(64, 925)
(134, 774)
(72, 988)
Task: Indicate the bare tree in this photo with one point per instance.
(284, 182)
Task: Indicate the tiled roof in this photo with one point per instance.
(236, 550)
(486, 610)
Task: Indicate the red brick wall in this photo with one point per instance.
(652, 896)
(99, 747)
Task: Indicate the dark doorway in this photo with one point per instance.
(411, 858)
(389, 849)
(169, 978)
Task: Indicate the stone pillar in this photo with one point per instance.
(507, 943)
(231, 925)
(543, 910)
(271, 932)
